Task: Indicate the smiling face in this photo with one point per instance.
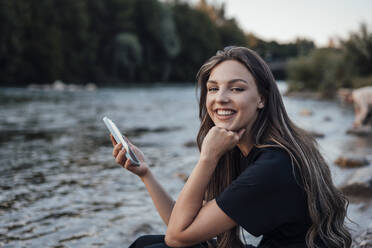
(232, 97)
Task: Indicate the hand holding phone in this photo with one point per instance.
(119, 138)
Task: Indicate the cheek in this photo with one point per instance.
(249, 106)
(208, 104)
(253, 100)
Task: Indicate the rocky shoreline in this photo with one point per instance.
(363, 240)
(358, 188)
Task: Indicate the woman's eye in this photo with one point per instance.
(212, 89)
(237, 89)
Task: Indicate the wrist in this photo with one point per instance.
(146, 174)
(209, 159)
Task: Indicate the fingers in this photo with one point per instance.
(127, 164)
(113, 141)
(121, 158)
(236, 135)
(116, 149)
(241, 133)
(232, 134)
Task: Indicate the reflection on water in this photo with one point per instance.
(60, 186)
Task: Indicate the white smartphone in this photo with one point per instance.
(119, 138)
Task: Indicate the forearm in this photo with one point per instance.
(190, 200)
(162, 201)
(363, 114)
(360, 113)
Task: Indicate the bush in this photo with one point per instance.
(361, 82)
(327, 69)
(317, 72)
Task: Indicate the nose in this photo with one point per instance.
(223, 96)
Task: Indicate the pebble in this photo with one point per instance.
(362, 131)
(364, 240)
(306, 112)
(143, 229)
(316, 134)
(182, 176)
(351, 161)
(359, 184)
(190, 143)
(327, 118)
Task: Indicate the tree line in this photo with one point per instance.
(120, 41)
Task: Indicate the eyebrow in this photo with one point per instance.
(230, 81)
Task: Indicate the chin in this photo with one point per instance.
(226, 126)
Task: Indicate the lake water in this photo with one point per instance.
(60, 186)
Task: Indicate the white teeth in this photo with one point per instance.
(225, 112)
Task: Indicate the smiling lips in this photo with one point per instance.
(224, 114)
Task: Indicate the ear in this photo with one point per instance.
(261, 103)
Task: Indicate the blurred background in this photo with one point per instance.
(64, 65)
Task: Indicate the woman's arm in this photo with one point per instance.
(162, 201)
(190, 221)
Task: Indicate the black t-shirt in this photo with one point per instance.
(268, 199)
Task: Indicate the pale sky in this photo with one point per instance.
(284, 20)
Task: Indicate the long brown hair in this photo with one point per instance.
(327, 206)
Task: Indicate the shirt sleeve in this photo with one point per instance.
(265, 195)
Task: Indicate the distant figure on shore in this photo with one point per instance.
(362, 100)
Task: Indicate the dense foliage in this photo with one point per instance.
(327, 69)
(116, 41)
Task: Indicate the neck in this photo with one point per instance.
(245, 144)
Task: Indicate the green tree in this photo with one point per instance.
(358, 51)
(127, 56)
(231, 34)
(108, 19)
(199, 40)
(158, 36)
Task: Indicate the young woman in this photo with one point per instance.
(257, 170)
